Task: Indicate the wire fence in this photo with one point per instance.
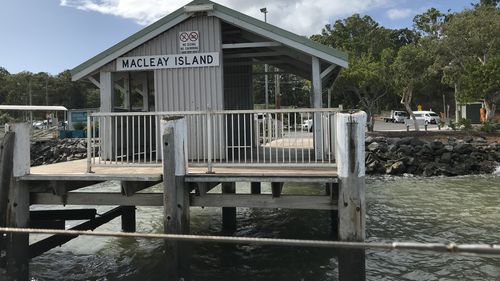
(462, 249)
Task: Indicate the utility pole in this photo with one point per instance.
(264, 10)
(47, 90)
(277, 91)
(31, 103)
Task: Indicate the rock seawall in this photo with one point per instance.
(384, 155)
(55, 151)
(396, 156)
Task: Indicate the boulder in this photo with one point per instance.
(397, 168)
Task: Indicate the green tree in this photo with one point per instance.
(471, 38)
(430, 23)
(410, 71)
(367, 79)
(481, 81)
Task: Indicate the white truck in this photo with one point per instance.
(396, 116)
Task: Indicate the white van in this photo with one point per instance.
(429, 117)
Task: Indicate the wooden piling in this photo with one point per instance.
(128, 219)
(276, 188)
(350, 156)
(16, 164)
(255, 187)
(175, 195)
(229, 213)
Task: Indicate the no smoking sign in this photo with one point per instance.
(189, 41)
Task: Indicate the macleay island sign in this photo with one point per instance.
(167, 61)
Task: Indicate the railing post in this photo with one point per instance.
(209, 141)
(350, 157)
(89, 143)
(175, 195)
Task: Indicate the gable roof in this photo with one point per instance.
(231, 16)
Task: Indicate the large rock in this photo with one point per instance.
(397, 168)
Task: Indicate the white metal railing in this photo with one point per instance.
(286, 137)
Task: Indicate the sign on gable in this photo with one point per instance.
(167, 61)
(189, 41)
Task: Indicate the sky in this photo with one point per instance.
(55, 35)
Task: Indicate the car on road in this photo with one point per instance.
(307, 125)
(429, 117)
(396, 116)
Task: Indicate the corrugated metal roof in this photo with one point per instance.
(119, 49)
(33, 107)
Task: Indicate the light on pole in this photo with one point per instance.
(264, 11)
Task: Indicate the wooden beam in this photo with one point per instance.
(250, 45)
(94, 81)
(251, 55)
(73, 214)
(328, 70)
(93, 177)
(254, 62)
(53, 241)
(307, 202)
(51, 224)
(129, 188)
(99, 199)
(259, 178)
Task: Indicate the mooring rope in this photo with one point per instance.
(468, 249)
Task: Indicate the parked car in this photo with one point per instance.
(396, 116)
(429, 117)
(307, 125)
(262, 116)
(40, 124)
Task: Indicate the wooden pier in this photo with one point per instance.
(185, 186)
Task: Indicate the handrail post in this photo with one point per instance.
(89, 143)
(209, 143)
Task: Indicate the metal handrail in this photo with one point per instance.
(216, 138)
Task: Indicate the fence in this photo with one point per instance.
(216, 138)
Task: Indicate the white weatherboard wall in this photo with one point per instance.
(194, 88)
(187, 89)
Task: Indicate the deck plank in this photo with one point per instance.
(76, 170)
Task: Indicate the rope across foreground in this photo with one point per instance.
(464, 249)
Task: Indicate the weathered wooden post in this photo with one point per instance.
(350, 158)
(175, 195)
(15, 162)
(128, 219)
(229, 213)
(255, 187)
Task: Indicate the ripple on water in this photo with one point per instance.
(460, 209)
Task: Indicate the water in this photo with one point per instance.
(460, 209)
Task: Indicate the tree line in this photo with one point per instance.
(25, 88)
(445, 56)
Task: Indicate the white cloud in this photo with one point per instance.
(396, 13)
(304, 17)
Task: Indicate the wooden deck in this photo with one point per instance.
(76, 170)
